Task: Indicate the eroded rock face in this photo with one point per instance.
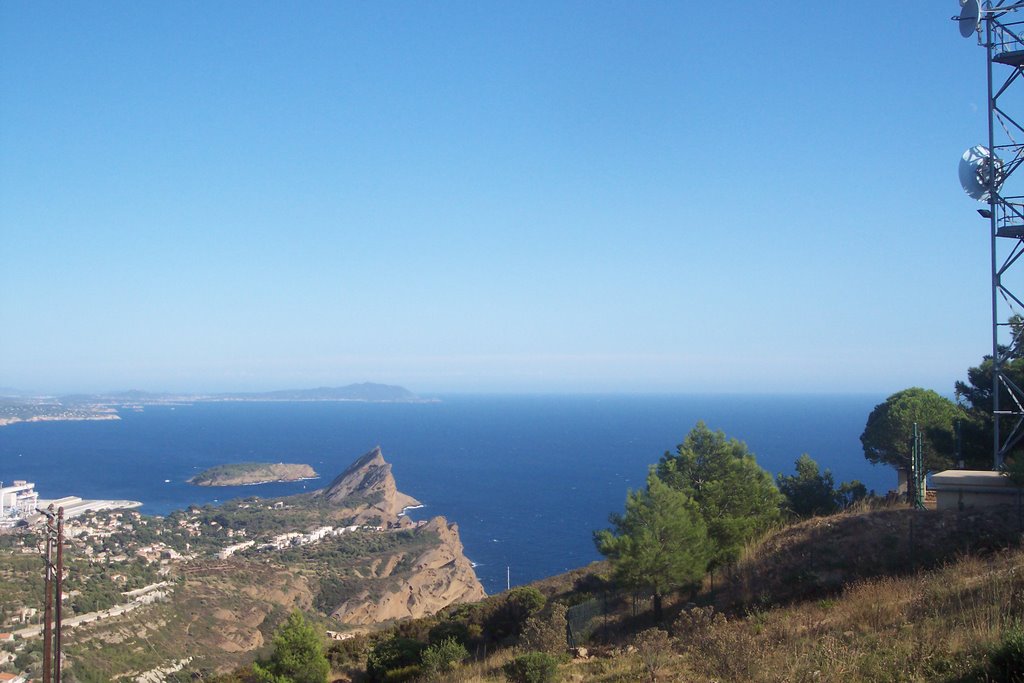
(369, 485)
(439, 576)
(409, 583)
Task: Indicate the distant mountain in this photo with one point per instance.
(367, 391)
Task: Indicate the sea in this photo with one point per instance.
(527, 478)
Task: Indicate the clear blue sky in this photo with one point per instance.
(466, 196)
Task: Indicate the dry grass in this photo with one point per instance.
(867, 595)
(938, 625)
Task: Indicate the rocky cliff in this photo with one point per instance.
(426, 574)
(368, 487)
(433, 578)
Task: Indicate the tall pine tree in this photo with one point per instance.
(660, 542)
(737, 499)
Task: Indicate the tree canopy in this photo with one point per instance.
(889, 430)
(298, 655)
(976, 396)
(737, 499)
(811, 492)
(660, 542)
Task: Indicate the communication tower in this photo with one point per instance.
(986, 172)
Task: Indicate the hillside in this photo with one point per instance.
(217, 581)
(874, 595)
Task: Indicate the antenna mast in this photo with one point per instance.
(983, 174)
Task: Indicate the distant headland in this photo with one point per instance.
(24, 407)
(250, 473)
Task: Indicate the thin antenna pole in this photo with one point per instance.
(48, 597)
(997, 456)
(959, 448)
(508, 578)
(60, 594)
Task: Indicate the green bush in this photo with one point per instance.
(458, 630)
(391, 655)
(532, 667)
(508, 619)
(348, 653)
(1008, 657)
(546, 633)
(443, 656)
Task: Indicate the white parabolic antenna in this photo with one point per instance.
(970, 17)
(975, 167)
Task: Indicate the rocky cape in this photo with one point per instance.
(407, 583)
(368, 488)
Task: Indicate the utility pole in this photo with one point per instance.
(60, 595)
(54, 579)
(48, 597)
(917, 467)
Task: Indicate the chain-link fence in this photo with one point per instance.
(584, 619)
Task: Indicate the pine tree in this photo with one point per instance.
(660, 542)
(737, 499)
(298, 655)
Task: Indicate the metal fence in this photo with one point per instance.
(584, 619)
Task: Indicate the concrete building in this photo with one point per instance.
(18, 500)
(232, 549)
(961, 489)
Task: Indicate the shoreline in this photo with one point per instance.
(5, 421)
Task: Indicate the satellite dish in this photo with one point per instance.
(970, 17)
(976, 171)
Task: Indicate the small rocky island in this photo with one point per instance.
(248, 473)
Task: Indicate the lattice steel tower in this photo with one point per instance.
(986, 174)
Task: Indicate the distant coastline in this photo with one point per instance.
(4, 421)
(79, 407)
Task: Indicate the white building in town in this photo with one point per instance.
(18, 500)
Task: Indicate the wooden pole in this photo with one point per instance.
(48, 604)
(60, 594)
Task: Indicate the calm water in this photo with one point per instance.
(527, 478)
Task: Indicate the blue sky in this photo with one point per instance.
(466, 196)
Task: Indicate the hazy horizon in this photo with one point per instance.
(424, 393)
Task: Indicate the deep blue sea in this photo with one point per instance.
(527, 478)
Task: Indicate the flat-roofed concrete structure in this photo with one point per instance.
(956, 489)
(19, 499)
